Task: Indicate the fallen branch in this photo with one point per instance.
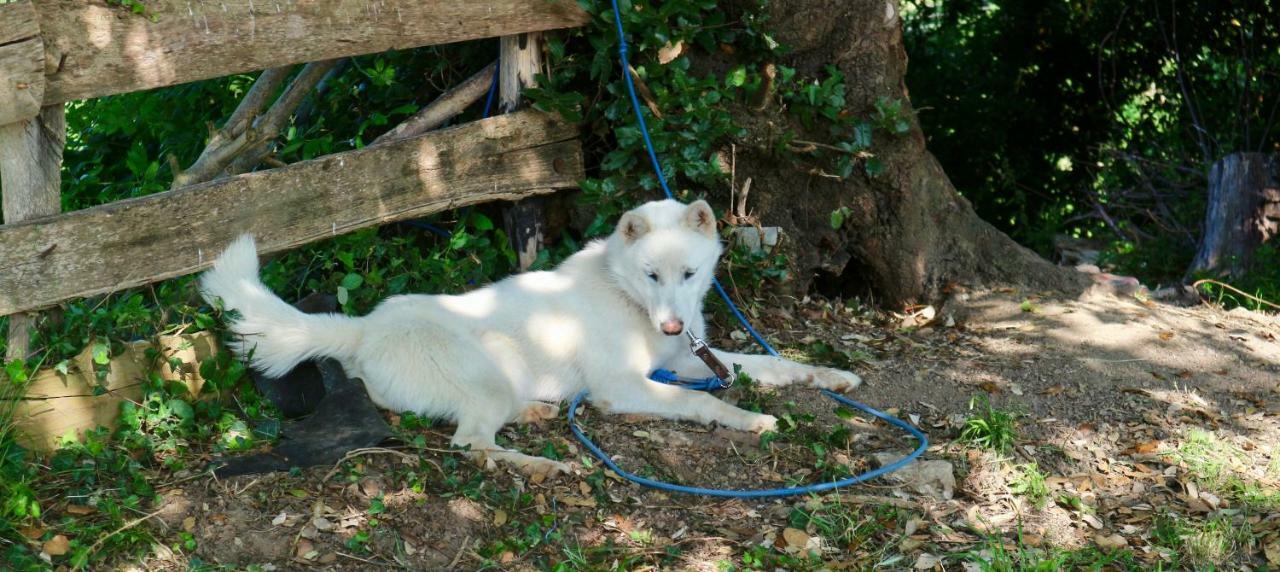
(248, 135)
(135, 522)
(374, 451)
(444, 108)
(1196, 286)
(267, 128)
(226, 142)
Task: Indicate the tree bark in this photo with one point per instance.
(909, 236)
(1243, 212)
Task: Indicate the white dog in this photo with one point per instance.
(601, 321)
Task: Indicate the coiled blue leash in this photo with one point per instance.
(714, 383)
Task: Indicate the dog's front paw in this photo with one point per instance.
(836, 380)
(760, 423)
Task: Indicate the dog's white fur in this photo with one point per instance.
(497, 354)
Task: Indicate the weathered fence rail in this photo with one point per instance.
(92, 49)
(137, 241)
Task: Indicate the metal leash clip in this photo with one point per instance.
(703, 351)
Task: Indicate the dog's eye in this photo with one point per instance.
(688, 274)
(653, 276)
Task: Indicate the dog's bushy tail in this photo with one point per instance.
(278, 335)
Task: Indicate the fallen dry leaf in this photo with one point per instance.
(322, 524)
(927, 561)
(304, 548)
(670, 52)
(56, 546)
(189, 524)
(1093, 521)
(1112, 542)
(80, 509)
(499, 517)
(1273, 552)
(573, 500)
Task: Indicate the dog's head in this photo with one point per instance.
(663, 254)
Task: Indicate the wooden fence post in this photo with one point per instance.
(31, 175)
(521, 61)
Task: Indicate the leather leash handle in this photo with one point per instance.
(703, 351)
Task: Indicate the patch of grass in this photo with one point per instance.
(988, 427)
(821, 353)
(997, 555)
(758, 557)
(847, 526)
(1222, 467)
(1029, 481)
(1202, 545)
(1211, 544)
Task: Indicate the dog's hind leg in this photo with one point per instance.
(476, 429)
(671, 402)
(770, 370)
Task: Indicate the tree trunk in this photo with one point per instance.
(1243, 212)
(909, 236)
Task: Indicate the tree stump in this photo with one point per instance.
(1243, 212)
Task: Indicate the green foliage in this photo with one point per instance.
(989, 428)
(1095, 118)
(998, 556)
(695, 106)
(1029, 482)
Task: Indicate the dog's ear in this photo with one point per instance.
(699, 217)
(632, 226)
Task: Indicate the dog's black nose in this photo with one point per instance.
(673, 327)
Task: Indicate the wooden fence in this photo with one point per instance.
(54, 51)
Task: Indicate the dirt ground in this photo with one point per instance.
(1149, 422)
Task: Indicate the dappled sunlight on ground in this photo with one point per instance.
(1142, 436)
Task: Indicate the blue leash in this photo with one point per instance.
(714, 383)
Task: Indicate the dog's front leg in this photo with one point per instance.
(652, 398)
(770, 370)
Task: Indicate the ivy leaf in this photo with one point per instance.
(874, 167)
(862, 135)
(182, 409)
(136, 159)
(736, 78)
(481, 222)
(352, 281)
(101, 354)
(16, 370)
(837, 219)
